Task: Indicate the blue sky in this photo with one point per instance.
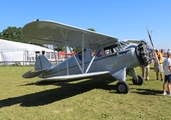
(124, 19)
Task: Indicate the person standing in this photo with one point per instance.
(145, 71)
(160, 59)
(167, 74)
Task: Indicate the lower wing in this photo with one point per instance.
(77, 76)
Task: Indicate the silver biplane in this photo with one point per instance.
(101, 55)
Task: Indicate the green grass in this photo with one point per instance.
(82, 100)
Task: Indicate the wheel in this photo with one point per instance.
(140, 80)
(122, 87)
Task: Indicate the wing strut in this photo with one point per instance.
(74, 56)
(56, 60)
(55, 55)
(83, 52)
(66, 60)
(92, 59)
(64, 33)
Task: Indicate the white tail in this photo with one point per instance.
(42, 63)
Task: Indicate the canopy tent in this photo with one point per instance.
(23, 53)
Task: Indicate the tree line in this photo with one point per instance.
(12, 34)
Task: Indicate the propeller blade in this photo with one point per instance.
(156, 58)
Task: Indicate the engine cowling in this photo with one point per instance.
(144, 53)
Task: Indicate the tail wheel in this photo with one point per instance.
(140, 80)
(122, 87)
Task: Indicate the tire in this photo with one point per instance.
(140, 80)
(122, 87)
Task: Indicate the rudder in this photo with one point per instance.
(42, 63)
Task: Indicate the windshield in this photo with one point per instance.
(124, 44)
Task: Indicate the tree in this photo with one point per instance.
(77, 49)
(60, 48)
(13, 34)
(1, 35)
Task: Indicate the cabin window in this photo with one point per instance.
(112, 49)
(99, 53)
(79, 54)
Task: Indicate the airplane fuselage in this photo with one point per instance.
(110, 62)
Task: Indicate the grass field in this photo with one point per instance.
(95, 99)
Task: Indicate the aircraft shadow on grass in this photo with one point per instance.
(65, 91)
(149, 92)
(49, 96)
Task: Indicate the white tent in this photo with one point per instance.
(22, 53)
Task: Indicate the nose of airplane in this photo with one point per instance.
(144, 53)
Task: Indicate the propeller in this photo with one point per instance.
(156, 58)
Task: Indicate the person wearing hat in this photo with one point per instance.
(167, 73)
(160, 56)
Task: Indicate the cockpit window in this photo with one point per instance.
(112, 49)
(98, 54)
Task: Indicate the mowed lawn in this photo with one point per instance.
(95, 99)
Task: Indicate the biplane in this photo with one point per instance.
(101, 55)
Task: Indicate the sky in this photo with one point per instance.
(123, 19)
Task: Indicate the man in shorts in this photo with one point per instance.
(160, 59)
(167, 73)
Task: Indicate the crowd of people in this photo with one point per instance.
(162, 68)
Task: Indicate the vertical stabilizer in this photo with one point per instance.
(42, 63)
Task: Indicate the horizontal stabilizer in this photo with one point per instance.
(31, 74)
(77, 76)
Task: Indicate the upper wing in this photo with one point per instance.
(47, 32)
